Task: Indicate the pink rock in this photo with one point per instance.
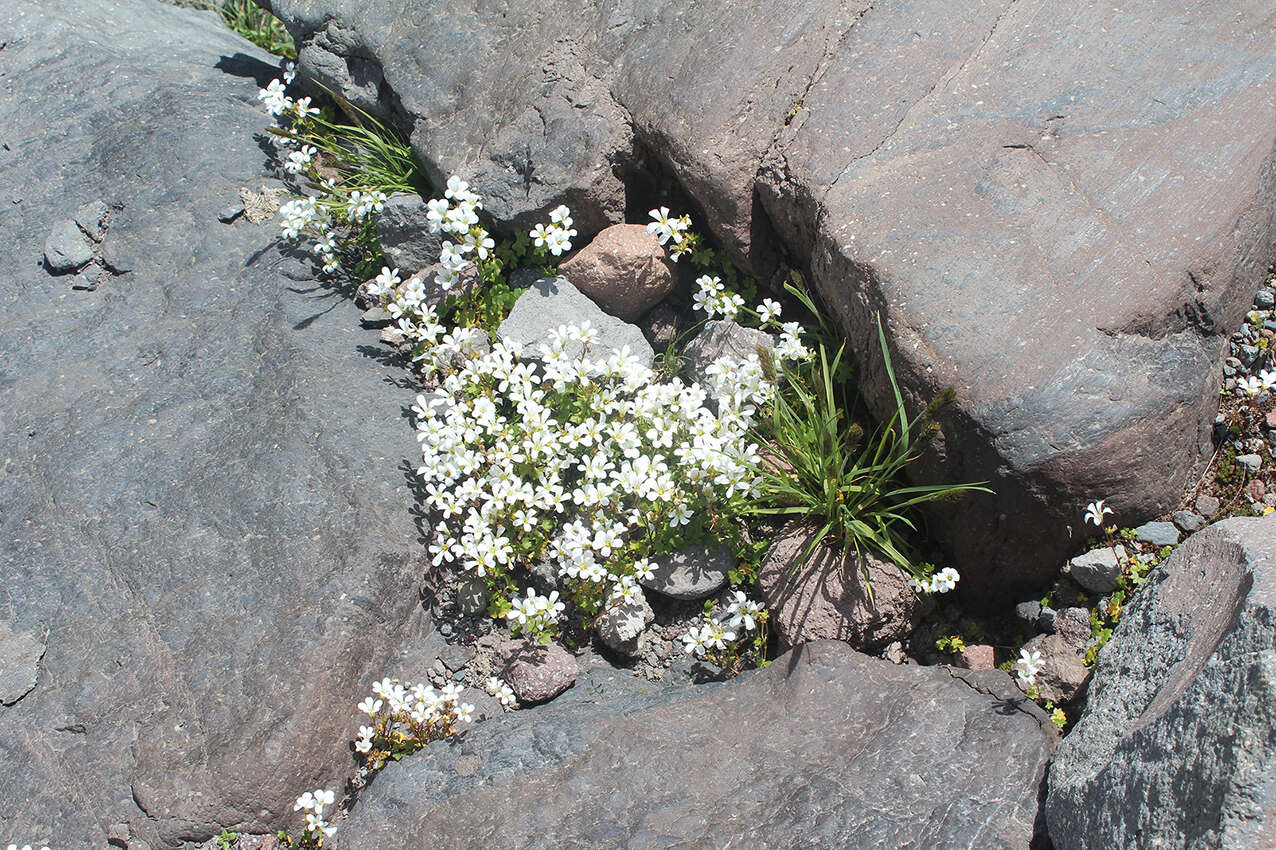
(981, 656)
(535, 672)
(624, 270)
(824, 596)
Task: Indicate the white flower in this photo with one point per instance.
(1252, 385)
(1095, 511)
(1028, 666)
(660, 226)
(290, 72)
(298, 160)
(562, 217)
(273, 97)
(768, 311)
(944, 580)
(303, 110)
(370, 706)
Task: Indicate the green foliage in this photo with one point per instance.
(952, 644)
(258, 26)
(365, 153)
(824, 470)
(226, 840)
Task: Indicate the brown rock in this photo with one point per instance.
(624, 270)
(1073, 625)
(1062, 675)
(824, 596)
(1207, 506)
(535, 672)
(1256, 489)
(981, 656)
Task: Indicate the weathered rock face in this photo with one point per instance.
(1177, 744)
(206, 532)
(827, 732)
(824, 596)
(1035, 196)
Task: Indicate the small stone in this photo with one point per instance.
(624, 270)
(1248, 354)
(66, 249)
(1029, 613)
(719, 339)
(536, 672)
(1157, 534)
(1207, 506)
(1264, 300)
(691, 574)
(980, 656)
(1270, 420)
(894, 652)
(1045, 621)
(551, 302)
(544, 576)
(88, 278)
(20, 655)
(1256, 490)
(1073, 625)
(403, 232)
(392, 336)
(445, 629)
(92, 219)
(376, 317)
(1098, 569)
(1062, 675)
(230, 212)
(620, 626)
(1188, 521)
(455, 656)
(438, 668)
(1250, 462)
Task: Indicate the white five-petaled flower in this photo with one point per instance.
(1028, 666)
(1095, 511)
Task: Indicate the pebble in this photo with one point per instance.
(1188, 521)
(1207, 506)
(230, 212)
(1029, 613)
(1251, 463)
(1256, 489)
(1045, 620)
(1265, 299)
(1158, 533)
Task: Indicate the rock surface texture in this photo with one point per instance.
(1057, 209)
(207, 535)
(819, 750)
(823, 596)
(1177, 746)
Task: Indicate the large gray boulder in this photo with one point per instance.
(1058, 211)
(207, 551)
(825, 748)
(1177, 746)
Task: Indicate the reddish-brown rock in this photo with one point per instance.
(536, 672)
(825, 596)
(624, 270)
(981, 656)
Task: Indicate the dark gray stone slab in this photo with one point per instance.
(826, 748)
(201, 499)
(1177, 744)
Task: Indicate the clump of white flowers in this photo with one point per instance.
(583, 462)
(1027, 667)
(457, 214)
(406, 717)
(498, 688)
(941, 582)
(670, 232)
(1255, 384)
(723, 638)
(316, 828)
(555, 237)
(535, 615)
(714, 300)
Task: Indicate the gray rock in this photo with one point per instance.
(1189, 521)
(832, 733)
(949, 200)
(1046, 620)
(1181, 707)
(471, 594)
(204, 507)
(231, 212)
(375, 317)
(1028, 613)
(455, 656)
(404, 234)
(553, 301)
(88, 278)
(1207, 506)
(1062, 676)
(1158, 534)
(620, 626)
(827, 596)
(1264, 299)
(1250, 463)
(92, 219)
(66, 248)
(691, 574)
(1247, 353)
(1097, 570)
(536, 672)
(718, 339)
(20, 656)
(1073, 625)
